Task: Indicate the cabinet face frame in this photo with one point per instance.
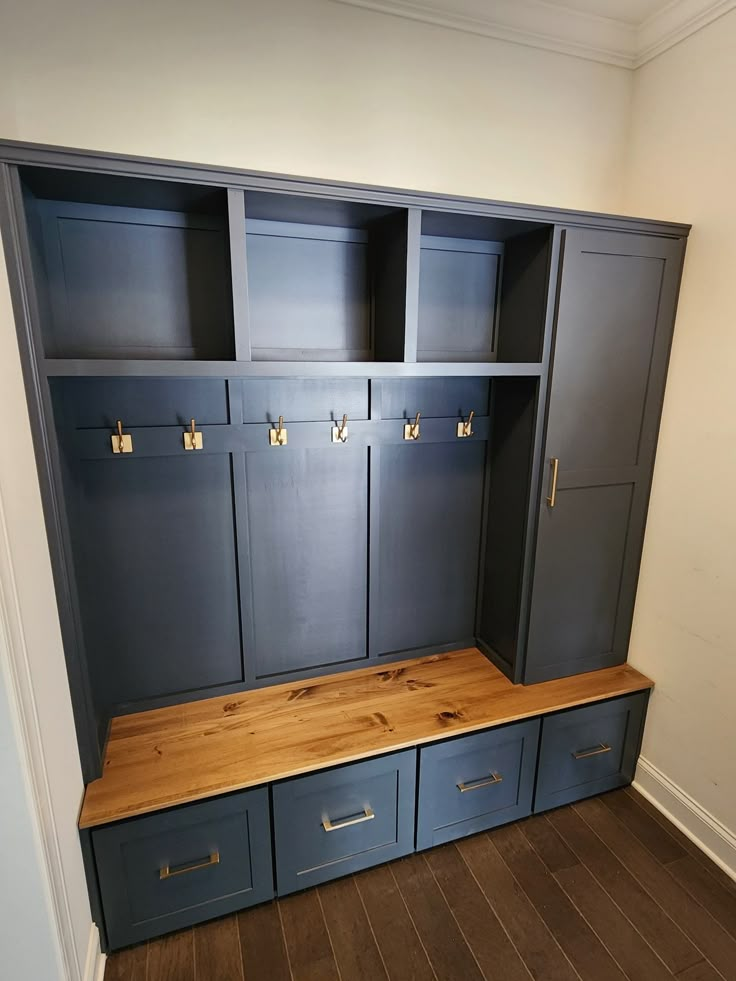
(91, 730)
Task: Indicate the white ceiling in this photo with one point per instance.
(626, 33)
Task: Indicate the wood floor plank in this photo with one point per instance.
(171, 958)
(700, 972)
(587, 954)
(705, 932)
(350, 931)
(450, 956)
(307, 941)
(548, 844)
(538, 947)
(652, 835)
(720, 902)
(217, 951)
(403, 954)
(627, 946)
(262, 944)
(127, 965)
(682, 839)
(663, 935)
(483, 932)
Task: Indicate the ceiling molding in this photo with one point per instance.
(541, 24)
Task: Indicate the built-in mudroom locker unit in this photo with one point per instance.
(345, 490)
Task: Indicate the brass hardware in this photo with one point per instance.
(555, 464)
(193, 439)
(411, 429)
(121, 442)
(340, 431)
(367, 815)
(477, 784)
(280, 436)
(465, 429)
(167, 872)
(583, 754)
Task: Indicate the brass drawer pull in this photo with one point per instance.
(167, 872)
(477, 784)
(583, 754)
(367, 815)
(555, 464)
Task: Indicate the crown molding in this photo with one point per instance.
(538, 24)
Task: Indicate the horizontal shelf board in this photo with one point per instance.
(84, 368)
(190, 752)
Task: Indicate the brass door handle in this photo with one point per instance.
(167, 872)
(583, 754)
(555, 464)
(477, 784)
(367, 815)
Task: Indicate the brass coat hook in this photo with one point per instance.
(411, 429)
(466, 428)
(280, 436)
(192, 439)
(121, 442)
(340, 431)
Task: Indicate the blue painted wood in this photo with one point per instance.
(617, 724)
(433, 397)
(614, 328)
(301, 400)
(154, 546)
(445, 813)
(176, 301)
(139, 904)
(308, 563)
(426, 502)
(307, 854)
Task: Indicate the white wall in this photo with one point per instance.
(316, 88)
(681, 165)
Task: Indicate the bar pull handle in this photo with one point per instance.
(555, 465)
(367, 815)
(583, 754)
(167, 872)
(477, 784)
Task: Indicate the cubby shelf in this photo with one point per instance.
(88, 368)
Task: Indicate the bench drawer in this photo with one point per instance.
(175, 868)
(588, 750)
(476, 782)
(338, 821)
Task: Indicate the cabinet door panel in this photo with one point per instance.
(614, 326)
(580, 558)
(307, 528)
(425, 554)
(158, 582)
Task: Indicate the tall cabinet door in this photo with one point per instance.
(614, 326)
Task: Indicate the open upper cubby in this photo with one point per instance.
(129, 267)
(483, 286)
(326, 279)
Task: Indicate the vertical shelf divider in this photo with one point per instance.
(239, 272)
(411, 313)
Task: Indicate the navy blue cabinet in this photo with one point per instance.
(339, 821)
(588, 750)
(476, 782)
(178, 867)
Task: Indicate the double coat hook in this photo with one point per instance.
(411, 429)
(340, 431)
(279, 436)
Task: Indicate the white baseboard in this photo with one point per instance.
(94, 968)
(715, 839)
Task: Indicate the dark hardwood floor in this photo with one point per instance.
(601, 891)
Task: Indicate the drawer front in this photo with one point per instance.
(476, 782)
(339, 821)
(173, 869)
(588, 750)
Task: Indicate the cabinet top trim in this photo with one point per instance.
(189, 752)
(69, 158)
